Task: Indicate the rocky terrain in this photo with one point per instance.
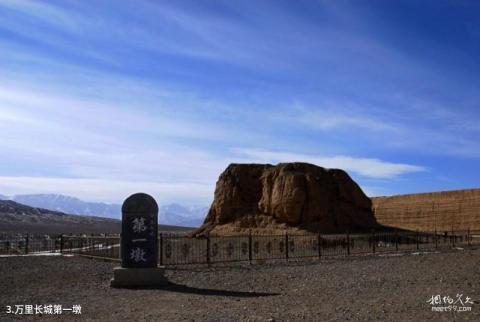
(389, 288)
(16, 217)
(268, 198)
(441, 211)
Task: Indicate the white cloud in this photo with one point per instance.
(336, 115)
(97, 117)
(327, 120)
(330, 121)
(367, 167)
(102, 149)
(414, 125)
(83, 117)
(42, 11)
(107, 190)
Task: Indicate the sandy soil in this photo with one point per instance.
(394, 288)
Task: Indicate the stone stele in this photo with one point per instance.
(139, 245)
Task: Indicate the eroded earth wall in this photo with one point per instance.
(441, 211)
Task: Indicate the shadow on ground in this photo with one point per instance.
(172, 287)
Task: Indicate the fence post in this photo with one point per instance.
(348, 242)
(250, 247)
(468, 237)
(319, 246)
(208, 248)
(286, 246)
(436, 239)
(26, 243)
(373, 240)
(105, 246)
(416, 239)
(396, 240)
(120, 249)
(61, 244)
(160, 241)
(453, 237)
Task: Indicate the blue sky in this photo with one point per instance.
(101, 99)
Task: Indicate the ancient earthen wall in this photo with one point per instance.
(441, 211)
(266, 198)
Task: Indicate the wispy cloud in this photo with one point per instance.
(372, 168)
(79, 139)
(441, 131)
(41, 11)
(108, 190)
(159, 93)
(337, 115)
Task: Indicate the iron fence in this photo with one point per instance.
(14, 244)
(176, 249)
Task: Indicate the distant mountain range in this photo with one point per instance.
(170, 214)
(186, 216)
(19, 218)
(15, 217)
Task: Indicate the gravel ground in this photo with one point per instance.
(387, 288)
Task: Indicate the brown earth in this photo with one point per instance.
(389, 288)
(289, 196)
(441, 211)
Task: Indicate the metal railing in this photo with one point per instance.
(17, 244)
(182, 250)
(176, 249)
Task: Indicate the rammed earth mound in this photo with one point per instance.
(289, 196)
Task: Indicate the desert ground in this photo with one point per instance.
(380, 288)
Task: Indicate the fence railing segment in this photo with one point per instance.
(182, 250)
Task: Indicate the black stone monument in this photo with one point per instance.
(139, 244)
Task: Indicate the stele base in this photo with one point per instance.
(138, 277)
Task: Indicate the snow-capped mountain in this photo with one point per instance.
(70, 205)
(188, 216)
(170, 214)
